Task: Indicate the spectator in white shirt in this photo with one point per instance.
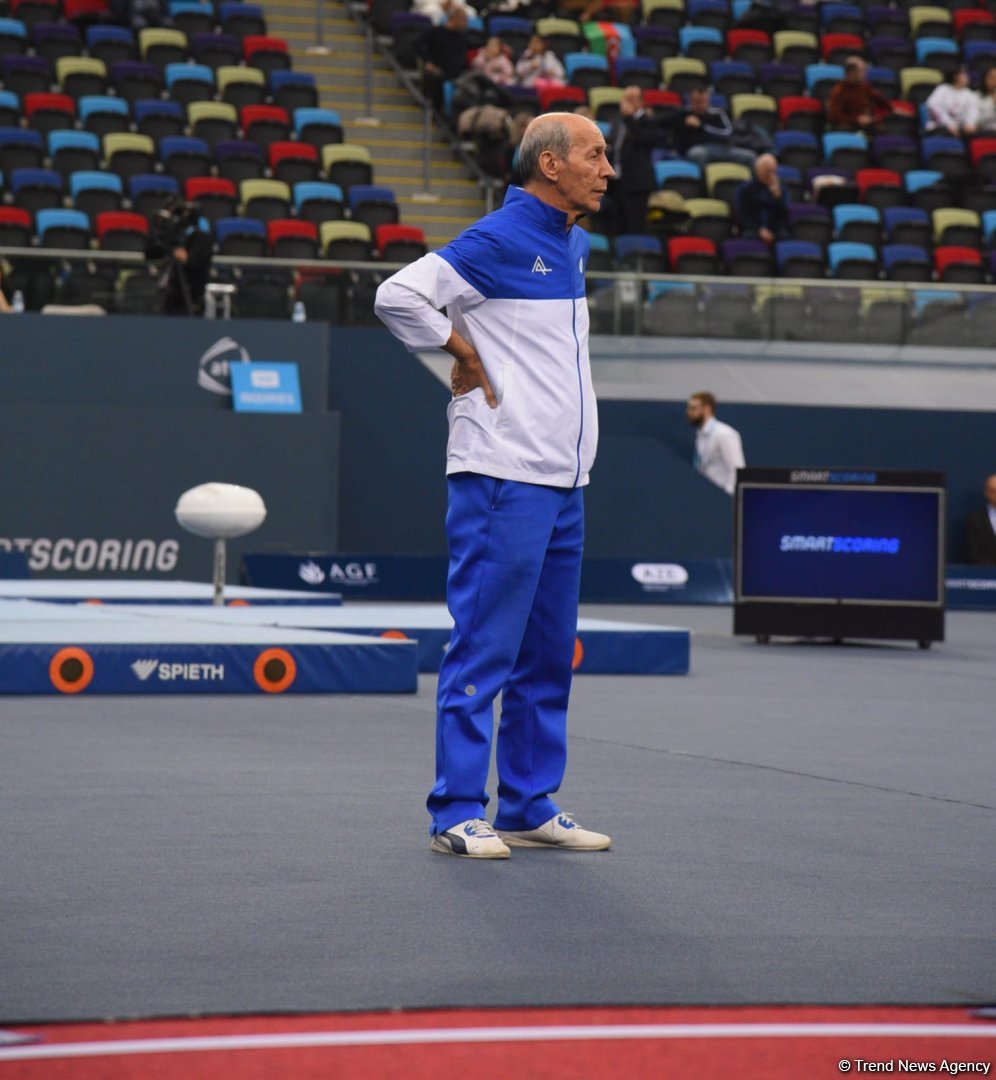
(952, 106)
(985, 120)
(539, 61)
(719, 451)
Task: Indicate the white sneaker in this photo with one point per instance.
(473, 839)
(561, 831)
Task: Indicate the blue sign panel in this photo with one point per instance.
(265, 387)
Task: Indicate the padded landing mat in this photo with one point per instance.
(603, 647)
(98, 591)
(78, 649)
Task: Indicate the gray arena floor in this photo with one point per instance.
(792, 823)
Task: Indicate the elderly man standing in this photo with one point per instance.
(522, 436)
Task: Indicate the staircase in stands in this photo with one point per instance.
(396, 144)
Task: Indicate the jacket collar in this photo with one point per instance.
(545, 216)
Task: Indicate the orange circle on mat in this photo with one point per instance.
(578, 654)
(274, 670)
(93, 600)
(238, 603)
(71, 670)
(395, 635)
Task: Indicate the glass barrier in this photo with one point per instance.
(626, 304)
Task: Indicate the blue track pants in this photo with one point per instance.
(514, 577)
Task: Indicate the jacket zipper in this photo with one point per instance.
(577, 361)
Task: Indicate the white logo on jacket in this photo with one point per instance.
(539, 267)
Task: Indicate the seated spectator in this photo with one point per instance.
(985, 120)
(494, 63)
(980, 533)
(854, 104)
(539, 61)
(762, 208)
(952, 107)
(443, 51)
(705, 132)
(634, 134)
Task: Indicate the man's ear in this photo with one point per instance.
(549, 166)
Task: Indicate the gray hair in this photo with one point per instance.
(547, 133)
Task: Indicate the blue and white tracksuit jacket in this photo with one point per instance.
(513, 286)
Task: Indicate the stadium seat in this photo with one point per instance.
(185, 156)
(947, 155)
(372, 206)
(162, 45)
(857, 223)
(927, 189)
(95, 192)
(821, 79)
(723, 178)
(989, 228)
(692, 255)
(15, 227)
(13, 37)
(973, 24)
(836, 48)
(265, 200)
(702, 43)
(639, 253)
(266, 53)
(781, 80)
(668, 14)
(149, 192)
(265, 124)
(406, 29)
(842, 19)
(930, 22)
(604, 102)
(956, 227)
(347, 164)
(673, 310)
(49, 112)
(19, 149)
(317, 127)
(346, 241)
(555, 98)
(121, 231)
(319, 201)
(709, 218)
(746, 257)
(731, 77)
(80, 76)
(33, 12)
(35, 189)
(908, 225)
(961, 265)
(400, 243)
(760, 109)
(192, 17)
(880, 187)
(241, 20)
(190, 82)
(683, 177)
(979, 55)
(216, 50)
(796, 47)
(71, 151)
(63, 229)
(212, 121)
(682, 74)
(810, 222)
(712, 13)
(111, 44)
(916, 83)
(750, 46)
(906, 262)
(10, 109)
(895, 152)
(128, 154)
(587, 70)
(216, 197)
(799, 258)
(293, 90)
(656, 43)
(798, 148)
(241, 86)
(25, 75)
(102, 114)
(639, 71)
(136, 80)
(783, 310)
(801, 114)
(561, 35)
(853, 260)
(289, 238)
(158, 119)
(293, 162)
(241, 237)
(238, 160)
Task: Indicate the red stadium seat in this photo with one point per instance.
(836, 47)
(216, 196)
(90, 10)
(265, 124)
(662, 99)
(400, 243)
(49, 112)
(293, 162)
(267, 53)
(980, 149)
(120, 230)
(974, 22)
(749, 46)
(801, 114)
(958, 265)
(554, 95)
(291, 238)
(880, 187)
(15, 226)
(692, 255)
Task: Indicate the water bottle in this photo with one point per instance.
(298, 314)
(17, 302)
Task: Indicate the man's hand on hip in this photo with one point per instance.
(468, 372)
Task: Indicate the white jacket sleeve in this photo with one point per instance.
(408, 302)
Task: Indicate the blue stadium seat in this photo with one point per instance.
(636, 251)
(185, 156)
(63, 229)
(732, 77)
(102, 114)
(638, 71)
(13, 36)
(988, 227)
(20, 148)
(587, 69)
(148, 191)
(799, 258)
(94, 181)
(926, 46)
(317, 127)
(857, 222)
(293, 90)
(318, 201)
(187, 82)
(821, 77)
(906, 262)
(702, 42)
(846, 149)
(798, 148)
(10, 109)
(684, 177)
(852, 260)
(240, 236)
(908, 225)
(36, 189)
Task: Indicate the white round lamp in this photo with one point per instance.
(220, 512)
